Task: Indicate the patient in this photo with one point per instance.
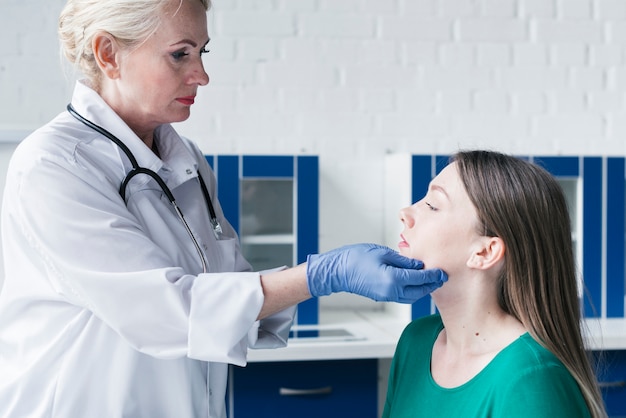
(506, 341)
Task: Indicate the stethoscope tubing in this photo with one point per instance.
(137, 169)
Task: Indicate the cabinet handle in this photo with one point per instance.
(305, 392)
(614, 384)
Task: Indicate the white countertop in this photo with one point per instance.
(375, 334)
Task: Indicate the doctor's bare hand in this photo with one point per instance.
(373, 271)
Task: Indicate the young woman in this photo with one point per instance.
(506, 341)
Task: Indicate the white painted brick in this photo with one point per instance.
(575, 9)
(257, 99)
(584, 78)
(221, 50)
(492, 131)
(569, 31)
(369, 51)
(453, 102)
(611, 9)
(458, 55)
(421, 53)
(415, 126)
(231, 73)
(301, 49)
(495, 102)
(339, 100)
(493, 30)
(214, 98)
(458, 78)
(296, 100)
(494, 55)
(529, 102)
(616, 127)
(258, 49)
(567, 101)
(381, 76)
(499, 8)
(297, 6)
(416, 101)
(257, 5)
(606, 102)
(531, 54)
(335, 6)
(616, 32)
(377, 52)
(537, 8)
(255, 24)
(569, 54)
(298, 74)
(460, 8)
(333, 25)
(570, 126)
(403, 28)
(352, 124)
(422, 8)
(376, 100)
(533, 78)
(377, 7)
(242, 123)
(606, 55)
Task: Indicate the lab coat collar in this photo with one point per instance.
(176, 164)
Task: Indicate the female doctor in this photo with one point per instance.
(126, 294)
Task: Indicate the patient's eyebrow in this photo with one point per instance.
(437, 188)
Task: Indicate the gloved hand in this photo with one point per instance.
(373, 271)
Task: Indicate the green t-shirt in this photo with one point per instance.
(523, 380)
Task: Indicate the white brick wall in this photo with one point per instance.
(352, 80)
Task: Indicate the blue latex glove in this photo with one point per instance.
(373, 271)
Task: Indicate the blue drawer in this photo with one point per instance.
(612, 377)
(337, 388)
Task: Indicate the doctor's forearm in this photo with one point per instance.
(283, 289)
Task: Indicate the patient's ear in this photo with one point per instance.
(487, 253)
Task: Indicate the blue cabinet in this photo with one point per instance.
(308, 389)
(273, 204)
(612, 377)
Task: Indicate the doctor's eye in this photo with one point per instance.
(204, 51)
(178, 55)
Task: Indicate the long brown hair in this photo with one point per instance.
(524, 205)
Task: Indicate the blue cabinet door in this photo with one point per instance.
(233, 171)
(612, 377)
(308, 389)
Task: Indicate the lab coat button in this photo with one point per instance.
(189, 171)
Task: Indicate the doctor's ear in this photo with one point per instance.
(106, 53)
(489, 251)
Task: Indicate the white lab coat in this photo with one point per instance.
(104, 310)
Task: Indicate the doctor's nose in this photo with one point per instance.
(198, 75)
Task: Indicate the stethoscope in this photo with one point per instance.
(217, 228)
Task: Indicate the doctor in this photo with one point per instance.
(126, 294)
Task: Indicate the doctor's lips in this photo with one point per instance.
(188, 100)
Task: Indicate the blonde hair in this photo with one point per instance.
(131, 22)
(525, 206)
